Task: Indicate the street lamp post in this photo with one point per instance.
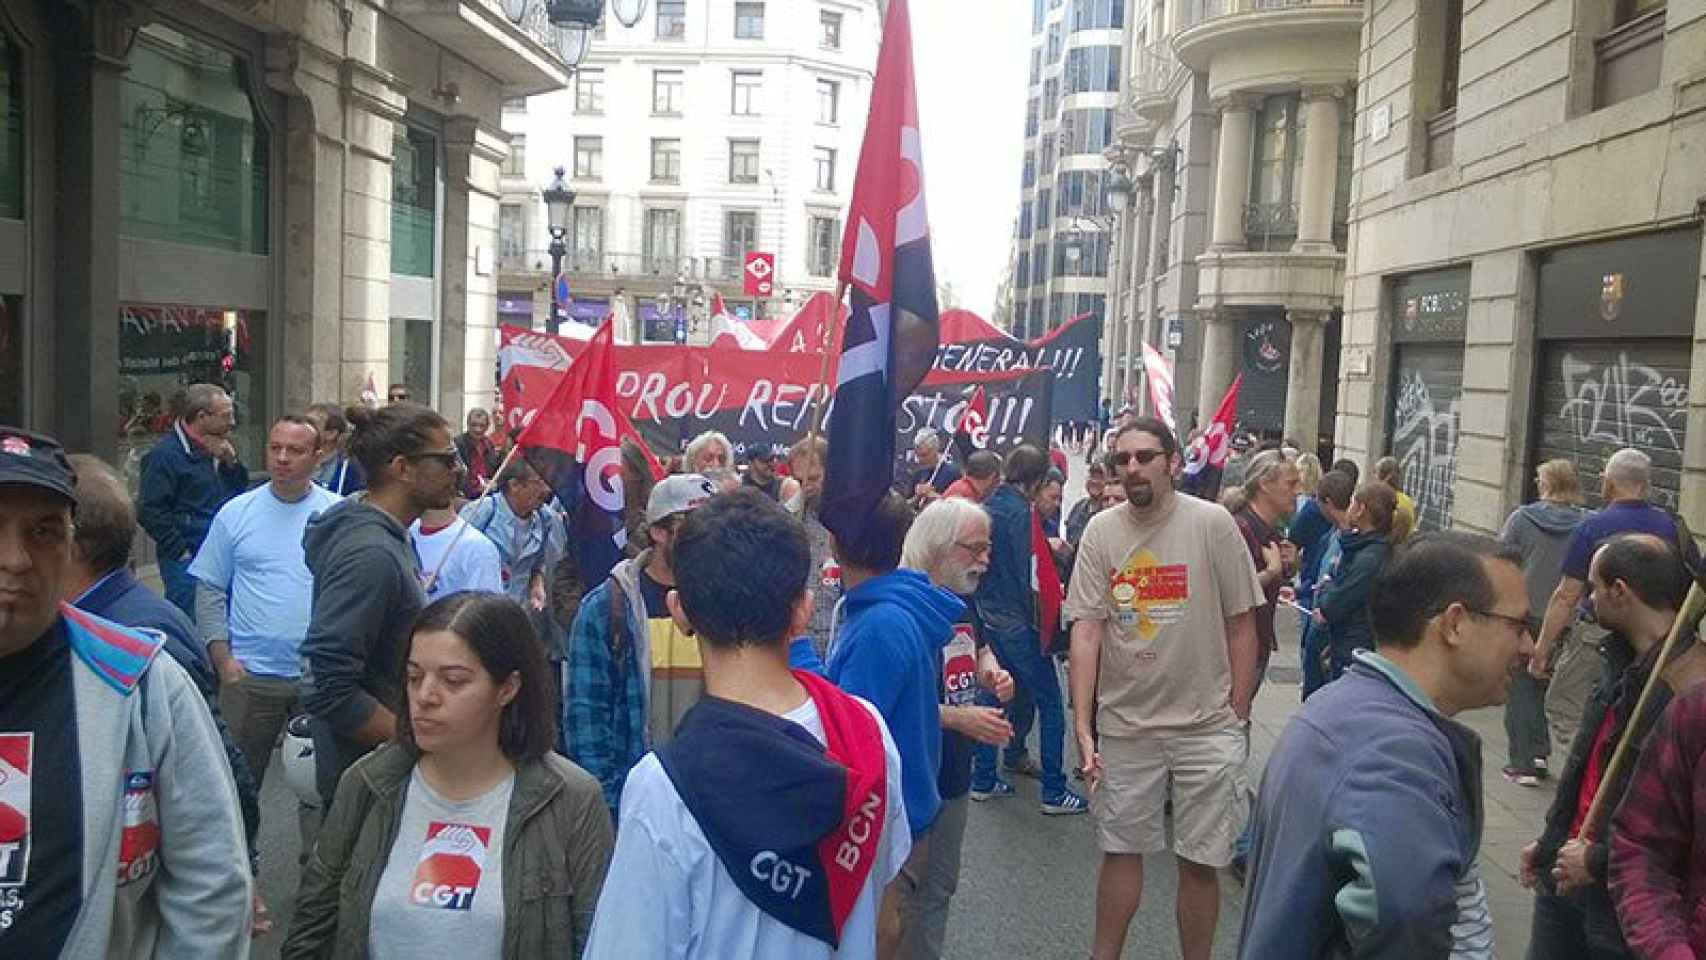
(559, 201)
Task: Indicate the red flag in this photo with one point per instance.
(972, 432)
(575, 442)
(1045, 580)
(1207, 453)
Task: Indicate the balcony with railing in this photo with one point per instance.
(1204, 28)
(1153, 69)
(527, 54)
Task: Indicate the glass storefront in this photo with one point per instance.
(163, 349)
(11, 131)
(193, 154)
(411, 357)
(414, 199)
(11, 359)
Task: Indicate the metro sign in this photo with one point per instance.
(759, 276)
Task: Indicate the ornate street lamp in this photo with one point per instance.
(559, 202)
(1119, 190)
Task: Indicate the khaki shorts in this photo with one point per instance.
(1211, 794)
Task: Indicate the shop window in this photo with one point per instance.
(414, 201)
(411, 356)
(164, 348)
(193, 160)
(11, 135)
(11, 359)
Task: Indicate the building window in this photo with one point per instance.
(1093, 70)
(1022, 273)
(1031, 111)
(1629, 57)
(1453, 55)
(11, 137)
(193, 152)
(512, 233)
(1276, 177)
(824, 158)
(668, 92)
(1026, 222)
(740, 236)
(672, 19)
(822, 235)
(830, 22)
(744, 88)
(1099, 14)
(515, 105)
(1028, 178)
(414, 201)
(1046, 154)
(589, 91)
(1038, 14)
(1036, 65)
(743, 161)
(666, 160)
(663, 241)
(1045, 208)
(1053, 44)
(1086, 131)
(749, 20)
(828, 101)
(589, 158)
(515, 165)
(1039, 265)
(588, 238)
(1051, 97)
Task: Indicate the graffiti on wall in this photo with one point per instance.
(1424, 439)
(1625, 404)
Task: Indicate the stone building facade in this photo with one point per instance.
(297, 198)
(1525, 269)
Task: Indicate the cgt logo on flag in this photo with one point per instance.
(760, 274)
(139, 844)
(448, 874)
(15, 755)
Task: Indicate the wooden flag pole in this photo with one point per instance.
(1692, 608)
(827, 348)
(432, 577)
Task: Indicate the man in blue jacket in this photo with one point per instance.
(1369, 819)
(888, 650)
(186, 478)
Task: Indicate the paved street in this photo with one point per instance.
(1027, 888)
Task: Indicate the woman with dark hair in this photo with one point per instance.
(367, 588)
(466, 837)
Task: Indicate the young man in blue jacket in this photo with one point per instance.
(888, 651)
(1369, 819)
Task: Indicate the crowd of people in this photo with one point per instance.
(753, 739)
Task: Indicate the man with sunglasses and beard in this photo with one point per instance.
(1164, 652)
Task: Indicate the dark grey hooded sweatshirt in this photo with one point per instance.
(367, 594)
(1541, 530)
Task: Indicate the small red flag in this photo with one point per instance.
(1045, 580)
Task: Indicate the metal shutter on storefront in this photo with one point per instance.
(1264, 341)
(1426, 399)
(1598, 396)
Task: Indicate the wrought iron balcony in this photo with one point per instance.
(1266, 222)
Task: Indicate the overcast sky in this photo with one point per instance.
(972, 60)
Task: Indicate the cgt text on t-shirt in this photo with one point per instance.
(1164, 586)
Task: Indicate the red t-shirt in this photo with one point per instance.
(1591, 776)
(962, 488)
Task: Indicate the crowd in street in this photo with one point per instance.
(751, 738)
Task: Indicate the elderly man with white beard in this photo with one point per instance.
(949, 543)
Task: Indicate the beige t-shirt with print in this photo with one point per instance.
(1164, 588)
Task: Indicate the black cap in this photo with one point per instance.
(31, 459)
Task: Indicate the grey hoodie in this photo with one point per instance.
(367, 594)
(1541, 530)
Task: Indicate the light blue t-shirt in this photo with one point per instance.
(253, 554)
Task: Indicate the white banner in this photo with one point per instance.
(1158, 372)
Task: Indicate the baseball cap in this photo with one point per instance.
(678, 494)
(32, 459)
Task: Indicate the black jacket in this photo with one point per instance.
(1344, 601)
(366, 596)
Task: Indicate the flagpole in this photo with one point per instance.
(823, 363)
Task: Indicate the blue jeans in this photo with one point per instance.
(180, 586)
(1021, 655)
(1022, 714)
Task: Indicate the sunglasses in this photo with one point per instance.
(1143, 457)
(446, 458)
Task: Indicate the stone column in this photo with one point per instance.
(1232, 171)
(1303, 378)
(1320, 169)
(468, 312)
(90, 64)
(374, 108)
(1219, 359)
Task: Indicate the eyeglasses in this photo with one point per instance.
(1143, 457)
(976, 548)
(449, 459)
(1526, 625)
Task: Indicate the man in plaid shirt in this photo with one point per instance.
(629, 673)
(1658, 859)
